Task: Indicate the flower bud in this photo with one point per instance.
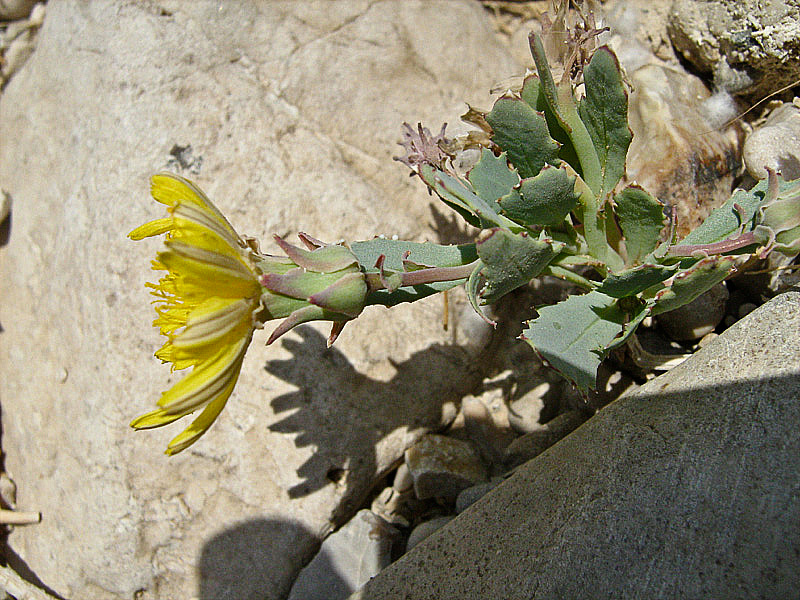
(322, 283)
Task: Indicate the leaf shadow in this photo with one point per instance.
(347, 417)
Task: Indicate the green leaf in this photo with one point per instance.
(636, 280)
(726, 221)
(491, 177)
(693, 281)
(512, 260)
(522, 133)
(782, 215)
(604, 111)
(455, 193)
(641, 218)
(545, 199)
(591, 214)
(561, 102)
(533, 95)
(635, 317)
(424, 253)
(473, 288)
(572, 335)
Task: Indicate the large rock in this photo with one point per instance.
(684, 488)
(751, 47)
(292, 111)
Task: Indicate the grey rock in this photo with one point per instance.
(638, 31)
(775, 144)
(295, 112)
(534, 443)
(677, 152)
(686, 486)
(751, 47)
(701, 316)
(442, 466)
(426, 528)
(469, 496)
(347, 559)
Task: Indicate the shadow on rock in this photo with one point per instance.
(248, 561)
(349, 418)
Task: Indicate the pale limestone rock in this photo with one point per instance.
(294, 111)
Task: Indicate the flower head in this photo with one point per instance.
(206, 304)
(217, 289)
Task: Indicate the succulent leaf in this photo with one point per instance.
(728, 219)
(545, 199)
(522, 133)
(688, 284)
(561, 103)
(512, 260)
(636, 280)
(422, 253)
(604, 111)
(572, 335)
(641, 218)
(532, 94)
(455, 193)
(491, 177)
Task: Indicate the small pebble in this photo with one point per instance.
(471, 495)
(402, 479)
(775, 144)
(695, 319)
(346, 559)
(426, 528)
(746, 308)
(442, 466)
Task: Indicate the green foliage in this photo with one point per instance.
(546, 191)
(522, 133)
(512, 260)
(572, 335)
(544, 199)
(641, 218)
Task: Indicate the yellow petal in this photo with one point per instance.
(155, 418)
(172, 190)
(206, 380)
(152, 228)
(213, 320)
(205, 263)
(201, 424)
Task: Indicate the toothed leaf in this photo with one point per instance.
(604, 111)
(532, 94)
(725, 221)
(425, 253)
(491, 177)
(634, 281)
(512, 261)
(689, 284)
(522, 133)
(456, 194)
(641, 218)
(572, 335)
(545, 199)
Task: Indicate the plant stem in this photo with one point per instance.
(424, 276)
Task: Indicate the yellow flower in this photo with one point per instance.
(218, 289)
(206, 303)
